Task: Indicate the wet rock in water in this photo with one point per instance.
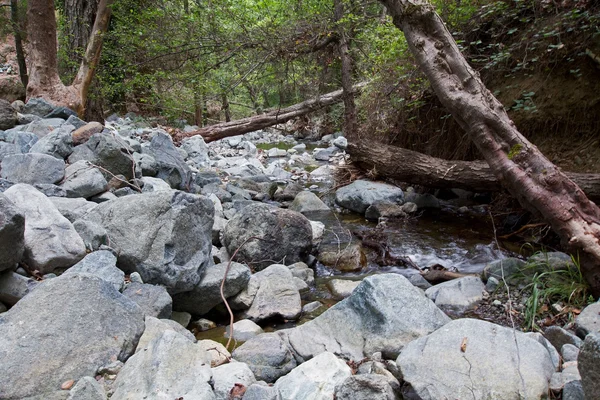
(50, 239)
(155, 327)
(470, 358)
(307, 202)
(588, 320)
(107, 151)
(83, 180)
(87, 388)
(384, 209)
(32, 168)
(502, 269)
(350, 258)
(170, 164)
(276, 296)
(342, 288)
(207, 293)
(164, 236)
(312, 307)
(457, 295)
(244, 330)
(153, 300)
(12, 234)
(151, 371)
(102, 264)
(365, 387)
(267, 355)
(359, 195)
(316, 379)
(98, 324)
(423, 200)
(72, 209)
(227, 376)
(384, 313)
(588, 364)
(284, 236)
(13, 287)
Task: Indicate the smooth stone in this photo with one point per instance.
(83, 180)
(32, 168)
(153, 300)
(227, 376)
(102, 264)
(267, 355)
(342, 288)
(155, 327)
(360, 194)
(457, 295)
(244, 330)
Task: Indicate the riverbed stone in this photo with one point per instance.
(342, 288)
(384, 313)
(349, 258)
(588, 364)
(217, 353)
(87, 388)
(385, 209)
(315, 379)
(365, 387)
(24, 141)
(7, 149)
(170, 365)
(102, 264)
(50, 239)
(83, 133)
(197, 151)
(307, 202)
(13, 287)
(154, 327)
(277, 295)
(152, 299)
(302, 271)
(502, 269)
(37, 106)
(588, 320)
(260, 391)
(267, 355)
(12, 234)
(93, 234)
(227, 376)
(285, 236)
(72, 209)
(164, 236)
(98, 326)
(457, 295)
(57, 143)
(8, 115)
(107, 151)
(32, 168)
(470, 358)
(207, 293)
(555, 260)
(244, 330)
(360, 194)
(83, 180)
(170, 165)
(559, 337)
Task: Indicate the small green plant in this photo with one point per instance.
(516, 149)
(525, 103)
(550, 285)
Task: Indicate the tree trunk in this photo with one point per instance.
(269, 118)
(17, 27)
(79, 20)
(44, 80)
(385, 161)
(521, 168)
(225, 107)
(350, 125)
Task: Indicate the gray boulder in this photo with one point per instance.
(559, 337)
(83, 180)
(315, 379)
(42, 127)
(470, 358)
(457, 295)
(359, 195)
(588, 320)
(25, 141)
(502, 269)
(384, 209)
(37, 106)
(267, 355)
(50, 239)
(102, 264)
(227, 376)
(365, 387)
(8, 115)
(32, 168)
(12, 234)
(164, 236)
(87, 388)
(340, 142)
(260, 391)
(342, 288)
(307, 202)
(154, 184)
(66, 328)
(108, 152)
(13, 287)
(284, 236)
(155, 327)
(244, 330)
(277, 295)
(153, 300)
(72, 209)
(57, 143)
(384, 313)
(170, 367)
(8, 149)
(197, 151)
(588, 364)
(207, 293)
(170, 164)
(94, 235)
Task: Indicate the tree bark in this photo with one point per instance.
(269, 118)
(521, 168)
(44, 80)
(386, 161)
(17, 27)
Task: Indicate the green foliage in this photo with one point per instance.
(525, 103)
(516, 149)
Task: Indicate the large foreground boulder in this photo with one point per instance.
(359, 195)
(473, 359)
(282, 236)
(589, 365)
(165, 236)
(12, 234)
(50, 239)
(384, 313)
(66, 328)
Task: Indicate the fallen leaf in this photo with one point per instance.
(67, 384)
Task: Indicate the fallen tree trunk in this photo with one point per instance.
(269, 118)
(522, 169)
(420, 169)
